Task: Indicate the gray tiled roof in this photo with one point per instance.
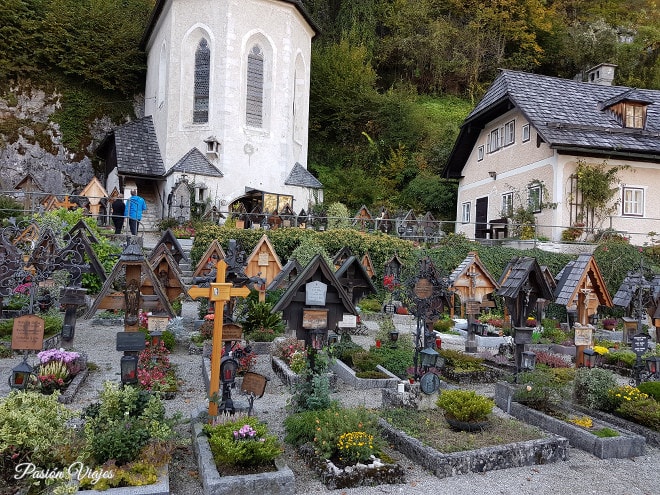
(137, 149)
(569, 278)
(195, 163)
(567, 114)
(300, 176)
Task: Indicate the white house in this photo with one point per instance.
(226, 107)
(522, 143)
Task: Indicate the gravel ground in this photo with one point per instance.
(582, 473)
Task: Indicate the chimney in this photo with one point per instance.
(602, 74)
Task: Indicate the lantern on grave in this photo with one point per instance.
(128, 366)
(429, 358)
(228, 369)
(394, 336)
(21, 375)
(653, 365)
(527, 360)
(317, 338)
(590, 357)
(333, 338)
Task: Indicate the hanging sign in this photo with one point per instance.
(583, 336)
(423, 288)
(314, 319)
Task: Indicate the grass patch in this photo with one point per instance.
(432, 430)
(605, 433)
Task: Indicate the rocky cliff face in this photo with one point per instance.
(30, 142)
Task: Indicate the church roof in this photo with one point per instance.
(195, 163)
(300, 176)
(159, 7)
(137, 149)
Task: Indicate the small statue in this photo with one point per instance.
(132, 301)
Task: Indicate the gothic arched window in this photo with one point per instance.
(201, 95)
(254, 103)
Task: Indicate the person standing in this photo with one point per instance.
(136, 205)
(118, 210)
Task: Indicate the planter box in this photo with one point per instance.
(652, 436)
(345, 372)
(161, 487)
(334, 478)
(626, 445)
(290, 379)
(67, 396)
(529, 453)
(280, 482)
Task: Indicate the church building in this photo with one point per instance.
(226, 109)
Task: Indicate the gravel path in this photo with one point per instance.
(582, 473)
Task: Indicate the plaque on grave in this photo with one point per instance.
(231, 331)
(27, 333)
(315, 293)
(348, 321)
(130, 341)
(423, 288)
(157, 323)
(472, 307)
(314, 319)
(639, 343)
(263, 259)
(254, 383)
(583, 336)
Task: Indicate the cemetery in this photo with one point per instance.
(344, 356)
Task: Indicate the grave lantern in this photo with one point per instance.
(20, 375)
(128, 366)
(527, 360)
(394, 336)
(228, 369)
(317, 339)
(390, 308)
(429, 358)
(156, 338)
(590, 357)
(653, 366)
(333, 338)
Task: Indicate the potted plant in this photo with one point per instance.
(465, 410)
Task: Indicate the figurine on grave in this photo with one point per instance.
(132, 300)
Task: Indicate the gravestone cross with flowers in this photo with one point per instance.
(219, 292)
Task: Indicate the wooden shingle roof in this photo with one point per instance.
(573, 277)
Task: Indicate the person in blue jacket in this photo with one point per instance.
(136, 205)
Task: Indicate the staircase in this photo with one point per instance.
(151, 216)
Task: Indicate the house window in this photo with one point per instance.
(255, 88)
(633, 201)
(634, 116)
(507, 204)
(509, 133)
(480, 153)
(201, 84)
(494, 140)
(465, 215)
(534, 198)
(525, 133)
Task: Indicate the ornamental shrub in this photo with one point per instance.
(243, 442)
(544, 389)
(591, 386)
(652, 389)
(355, 446)
(645, 412)
(366, 360)
(618, 395)
(465, 405)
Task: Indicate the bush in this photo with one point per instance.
(460, 362)
(623, 357)
(543, 389)
(443, 325)
(645, 412)
(243, 442)
(370, 305)
(591, 387)
(286, 348)
(366, 361)
(551, 360)
(325, 427)
(652, 389)
(32, 426)
(465, 405)
(258, 318)
(622, 394)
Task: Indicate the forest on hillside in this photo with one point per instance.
(392, 80)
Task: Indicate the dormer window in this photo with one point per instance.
(635, 115)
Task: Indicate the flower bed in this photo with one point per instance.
(279, 482)
(489, 375)
(626, 444)
(652, 437)
(543, 451)
(347, 374)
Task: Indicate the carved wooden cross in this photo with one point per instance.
(219, 293)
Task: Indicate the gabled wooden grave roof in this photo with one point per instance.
(579, 274)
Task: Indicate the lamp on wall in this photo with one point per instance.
(493, 174)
